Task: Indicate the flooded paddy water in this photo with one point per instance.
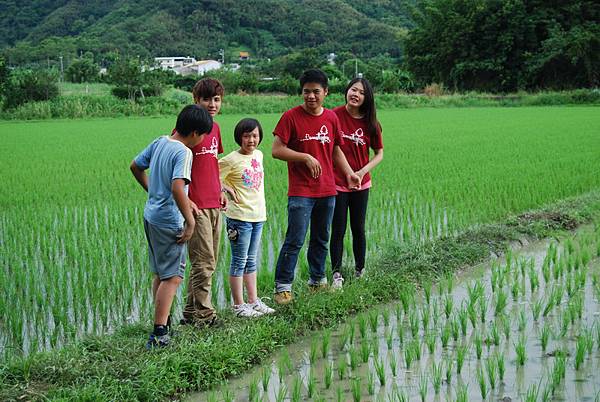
(523, 326)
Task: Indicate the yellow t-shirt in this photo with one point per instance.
(245, 175)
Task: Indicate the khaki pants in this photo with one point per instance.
(204, 249)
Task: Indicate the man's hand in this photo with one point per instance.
(195, 209)
(223, 201)
(188, 230)
(354, 181)
(313, 166)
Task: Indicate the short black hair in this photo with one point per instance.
(193, 118)
(314, 75)
(245, 126)
(207, 88)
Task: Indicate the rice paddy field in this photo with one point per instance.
(524, 326)
(73, 254)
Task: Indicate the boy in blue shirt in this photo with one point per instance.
(168, 218)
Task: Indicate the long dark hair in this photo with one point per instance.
(367, 109)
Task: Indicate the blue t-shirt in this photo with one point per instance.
(167, 160)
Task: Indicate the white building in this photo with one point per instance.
(187, 65)
(167, 63)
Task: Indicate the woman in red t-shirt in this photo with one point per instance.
(361, 131)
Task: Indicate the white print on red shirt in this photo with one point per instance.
(322, 136)
(356, 137)
(253, 178)
(214, 149)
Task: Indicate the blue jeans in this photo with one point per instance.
(302, 212)
(244, 248)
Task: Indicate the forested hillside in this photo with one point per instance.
(44, 29)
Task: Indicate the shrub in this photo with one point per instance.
(24, 86)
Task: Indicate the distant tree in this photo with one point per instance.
(82, 69)
(126, 75)
(3, 76)
(25, 86)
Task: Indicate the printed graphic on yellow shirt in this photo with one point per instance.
(253, 177)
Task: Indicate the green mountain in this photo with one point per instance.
(43, 30)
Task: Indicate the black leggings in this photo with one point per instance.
(356, 203)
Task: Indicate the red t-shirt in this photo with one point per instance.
(314, 135)
(205, 188)
(357, 142)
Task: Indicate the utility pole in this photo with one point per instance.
(61, 69)
(222, 54)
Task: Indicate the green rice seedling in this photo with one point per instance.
(545, 336)
(400, 332)
(536, 309)
(408, 357)
(413, 319)
(281, 393)
(449, 363)
(339, 394)
(362, 326)
(328, 375)
(406, 300)
(311, 384)
(253, 390)
(386, 317)
(314, 350)
(589, 339)
(356, 389)
(430, 341)
(514, 289)
(499, 359)
(423, 387)
(370, 383)
(380, 370)
(462, 393)
(373, 320)
(449, 282)
(477, 341)
(389, 339)
(534, 280)
(297, 389)
(482, 382)
(472, 312)
(483, 306)
(549, 305)
(398, 310)
(416, 348)
(580, 350)
(342, 367)
(546, 271)
(597, 326)
(427, 291)
(393, 363)
(565, 322)
(325, 343)
(494, 334)
(435, 312)
(533, 393)
(354, 358)
(491, 368)
(399, 395)
(266, 377)
(522, 320)
(436, 377)
(520, 350)
(501, 300)
(212, 397)
(461, 353)
(445, 334)
(365, 350)
(463, 318)
(505, 327)
(344, 337)
(455, 326)
(352, 332)
(546, 395)
(448, 305)
(375, 347)
(425, 318)
(475, 292)
(227, 395)
(494, 278)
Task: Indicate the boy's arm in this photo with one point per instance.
(140, 175)
(183, 203)
(341, 163)
(281, 151)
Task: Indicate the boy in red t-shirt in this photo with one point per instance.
(207, 201)
(307, 137)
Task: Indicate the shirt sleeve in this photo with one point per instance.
(377, 141)
(224, 168)
(283, 129)
(183, 165)
(220, 149)
(337, 133)
(143, 159)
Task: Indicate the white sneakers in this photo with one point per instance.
(252, 310)
(338, 281)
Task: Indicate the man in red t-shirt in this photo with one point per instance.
(307, 137)
(207, 201)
